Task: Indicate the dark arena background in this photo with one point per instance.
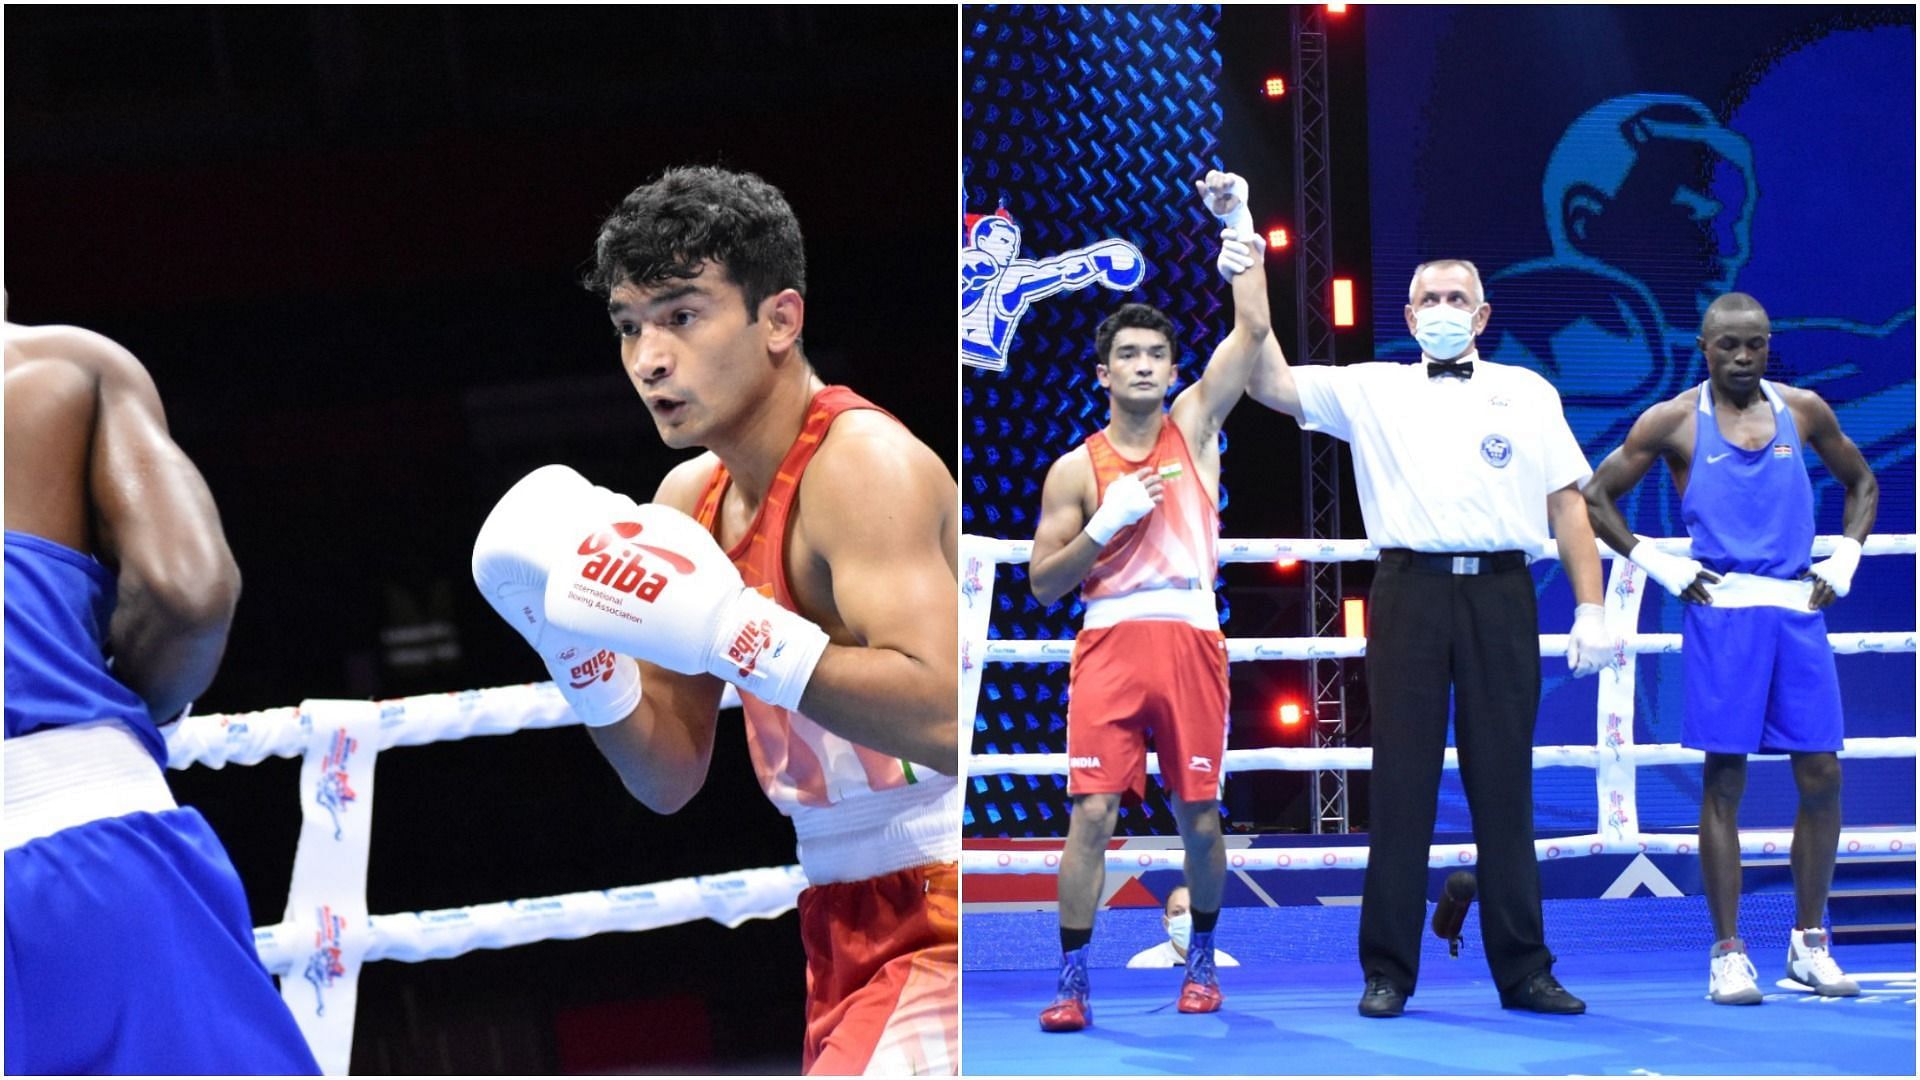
(346, 242)
(1610, 170)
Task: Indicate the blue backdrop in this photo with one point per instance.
(1613, 169)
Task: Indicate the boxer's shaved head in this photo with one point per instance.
(1733, 303)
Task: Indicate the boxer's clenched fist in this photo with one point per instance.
(1126, 501)
(510, 568)
(648, 581)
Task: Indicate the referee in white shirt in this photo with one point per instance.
(1461, 464)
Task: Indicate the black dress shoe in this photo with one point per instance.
(1382, 998)
(1542, 993)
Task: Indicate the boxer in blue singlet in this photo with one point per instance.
(129, 948)
(1760, 676)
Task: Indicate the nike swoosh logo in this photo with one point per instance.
(1711, 458)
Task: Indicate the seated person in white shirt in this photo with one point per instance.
(1178, 922)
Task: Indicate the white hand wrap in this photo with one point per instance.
(510, 569)
(1837, 569)
(1673, 572)
(1126, 502)
(1239, 218)
(649, 581)
(1236, 255)
(1589, 646)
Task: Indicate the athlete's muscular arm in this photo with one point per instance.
(1623, 470)
(1661, 431)
(156, 522)
(663, 749)
(875, 508)
(1843, 459)
(1062, 551)
(1201, 409)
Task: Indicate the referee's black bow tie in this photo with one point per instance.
(1437, 370)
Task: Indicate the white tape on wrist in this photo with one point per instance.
(766, 650)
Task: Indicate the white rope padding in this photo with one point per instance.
(728, 899)
(250, 738)
(327, 934)
(1311, 758)
(1854, 844)
(1240, 650)
(1274, 550)
(1614, 756)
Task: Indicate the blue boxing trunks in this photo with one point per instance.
(129, 948)
(1760, 680)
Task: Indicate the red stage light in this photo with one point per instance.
(1286, 564)
(1276, 86)
(1336, 9)
(1354, 609)
(1276, 238)
(1342, 301)
(1289, 713)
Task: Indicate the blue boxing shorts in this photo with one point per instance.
(1760, 680)
(129, 948)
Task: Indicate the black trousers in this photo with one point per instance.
(1479, 635)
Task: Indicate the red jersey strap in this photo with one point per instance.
(758, 555)
(1109, 464)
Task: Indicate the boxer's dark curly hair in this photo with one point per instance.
(1134, 316)
(671, 227)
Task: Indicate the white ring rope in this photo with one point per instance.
(1614, 756)
(1239, 650)
(327, 933)
(728, 899)
(1274, 550)
(1313, 758)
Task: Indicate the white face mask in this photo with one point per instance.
(1444, 332)
(1180, 929)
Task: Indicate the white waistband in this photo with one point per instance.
(1753, 590)
(1191, 606)
(880, 832)
(61, 777)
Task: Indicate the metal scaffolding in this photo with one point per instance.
(1320, 454)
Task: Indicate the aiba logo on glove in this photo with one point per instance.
(748, 643)
(624, 570)
(598, 668)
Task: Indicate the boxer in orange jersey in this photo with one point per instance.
(835, 531)
(1131, 518)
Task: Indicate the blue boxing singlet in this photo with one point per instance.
(1749, 511)
(59, 604)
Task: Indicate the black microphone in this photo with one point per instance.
(1450, 914)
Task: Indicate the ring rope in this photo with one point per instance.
(327, 934)
(728, 899)
(1240, 650)
(1854, 844)
(1614, 756)
(1274, 550)
(1315, 758)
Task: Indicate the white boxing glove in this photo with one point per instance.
(1589, 646)
(1236, 255)
(1837, 569)
(1673, 572)
(1125, 502)
(648, 581)
(510, 564)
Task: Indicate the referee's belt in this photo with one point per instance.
(1454, 562)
